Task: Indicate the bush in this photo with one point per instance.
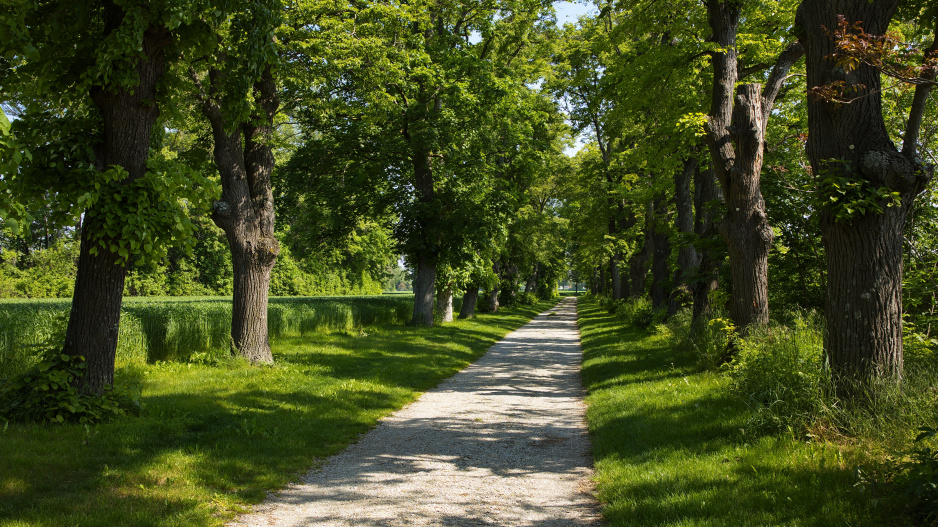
(778, 371)
(46, 394)
(527, 299)
(918, 475)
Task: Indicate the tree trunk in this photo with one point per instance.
(424, 282)
(469, 299)
(864, 248)
(245, 211)
(444, 303)
(510, 276)
(531, 285)
(128, 116)
(616, 277)
(426, 254)
(735, 135)
(638, 267)
(602, 279)
(493, 293)
(687, 257)
(706, 194)
(661, 255)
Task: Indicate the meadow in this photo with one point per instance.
(217, 436)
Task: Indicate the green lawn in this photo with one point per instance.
(669, 447)
(215, 439)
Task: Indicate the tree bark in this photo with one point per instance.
(128, 115)
(687, 257)
(706, 192)
(424, 282)
(863, 307)
(427, 252)
(444, 303)
(661, 254)
(245, 211)
(735, 136)
(469, 300)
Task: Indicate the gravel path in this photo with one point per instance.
(502, 443)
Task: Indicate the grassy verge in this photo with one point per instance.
(215, 439)
(670, 449)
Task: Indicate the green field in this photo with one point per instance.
(179, 328)
(214, 439)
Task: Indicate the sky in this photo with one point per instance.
(568, 11)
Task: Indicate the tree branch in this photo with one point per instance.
(917, 111)
(777, 78)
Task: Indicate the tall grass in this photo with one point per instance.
(155, 329)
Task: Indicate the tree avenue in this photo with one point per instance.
(731, 161)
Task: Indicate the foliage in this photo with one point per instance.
(918, 473)
(847, 198)
(47, 394)
(778, 371)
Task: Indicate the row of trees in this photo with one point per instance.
(689, 104)
(345, 120)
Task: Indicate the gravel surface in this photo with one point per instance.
(502, 443)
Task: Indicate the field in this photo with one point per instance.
(216, 438)
(185, 328)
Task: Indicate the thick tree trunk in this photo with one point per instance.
(245, 212)
(864, 249)
(424, 282)
(252, 270)
(427, 253)
(469, 300)
(444, 303)
(687, 257)
(128, 117)
(735, 135)
(661, 255)
(706, 193)
(746, 227)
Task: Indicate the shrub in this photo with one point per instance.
(527, 299)
(918, 475)
(46, 394)
(778, 371)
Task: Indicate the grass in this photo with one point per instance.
(213, 440)
(670, 449)
(176, 328)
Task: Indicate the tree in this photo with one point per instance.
(84, 80)
(866, 186)
(736, 139)
(240, 69)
